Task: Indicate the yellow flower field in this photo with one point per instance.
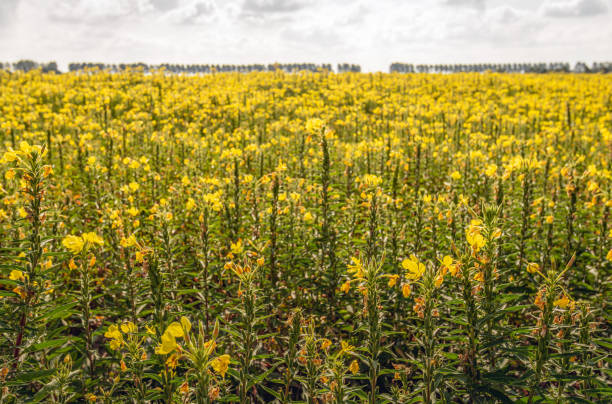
(307, 237)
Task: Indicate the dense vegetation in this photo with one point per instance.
(308, 237)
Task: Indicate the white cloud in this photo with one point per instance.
(90, 10)
(196, 11)
(373, 33)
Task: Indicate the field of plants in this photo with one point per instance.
(311, 238)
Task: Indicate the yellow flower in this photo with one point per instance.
(609, 255)
(25, 147)
(20, 291)
(414, 267)
(47, 264)
(210, 346)
(77, 244)
(168, 344)
(447, 261)
(139, 256)
(190, 205)
(128, 242)
(346, 286)
(406, 289)
(371, 180)
(448, 264)
(356, 267)
(562, 302)
(354, 367)
(128, 327)
(172, 361)
(113, 332)
(92, 239)
(115, 336)
(475, 240)
(308, 217)
(116, 344)
(10, 156)
(236, 247)
(479, 277)
(455, 175)
(175, 329)
(134, 186)
(532, 267)
(393, 280)
(73, 243)
(220, 364)
(346, 347)
(17, 275)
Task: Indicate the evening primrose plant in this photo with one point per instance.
(205, 371)
(550, 298)
(426, 280)
(245, 331)
(25, 257)
(131, 347)
(81, 247)
(368, 274)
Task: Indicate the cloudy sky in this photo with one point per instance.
(372, 33)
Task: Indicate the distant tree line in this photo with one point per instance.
(348, 68)
(200, 68)
(597, 67)
(557, 67)
(580, 67)
(27, 65)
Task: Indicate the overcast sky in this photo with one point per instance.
(372, 33)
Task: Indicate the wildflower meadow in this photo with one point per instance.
(312, 237)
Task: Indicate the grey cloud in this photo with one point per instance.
(272, 6)
(83, 11)
(164, 5)
(477, 4)
(574, 8)
(7, 10)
